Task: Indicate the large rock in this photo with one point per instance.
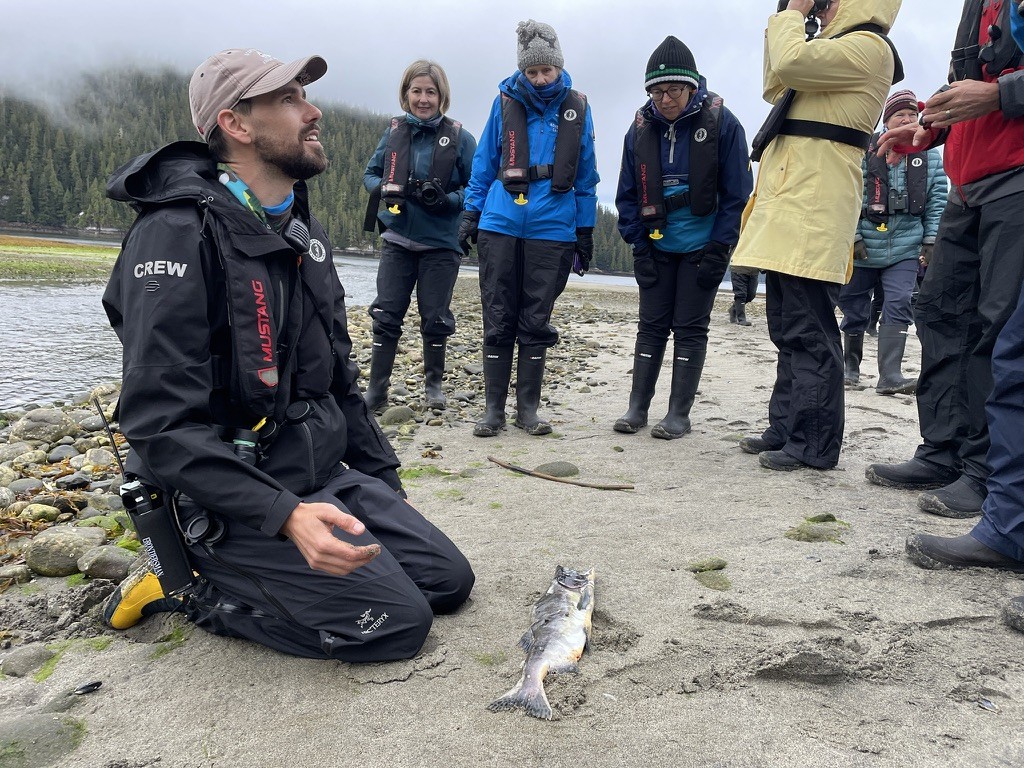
(28, 459)
(106, 562)
(6, 498)
(21, 661)
(55, 551)
(9, 451)
(19, 573)
(44, 424)
(398, 414)
(36, 513)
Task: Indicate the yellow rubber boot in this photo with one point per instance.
(127, 605)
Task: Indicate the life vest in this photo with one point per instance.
(779, 124)
(880, 202)
(702, 196)
(516, 172)
(397, 165)
(257, 372)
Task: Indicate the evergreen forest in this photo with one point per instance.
(55, 159)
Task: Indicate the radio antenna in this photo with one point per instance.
(110, 434)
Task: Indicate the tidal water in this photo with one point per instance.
(57, 343)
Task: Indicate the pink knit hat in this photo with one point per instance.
(905, 99)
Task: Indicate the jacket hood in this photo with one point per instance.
(852, 13)
(181, 169)
(692, 108)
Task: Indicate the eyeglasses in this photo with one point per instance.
(673, 91)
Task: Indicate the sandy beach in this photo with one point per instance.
(830, 652)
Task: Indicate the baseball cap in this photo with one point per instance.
(227, 77)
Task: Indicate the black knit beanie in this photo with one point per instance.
(671, 62)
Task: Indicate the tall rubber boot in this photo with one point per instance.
(529, 376)
(646, 367)
(892, 342)
(741, 313)
(433, 371)
(497, 375)
(382, 361)
(686, 369)
(732, 311)
(853, 353)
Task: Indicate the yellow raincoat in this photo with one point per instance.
(804, 212)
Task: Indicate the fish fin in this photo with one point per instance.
(586, 599)
(526, 641)
(530, 698)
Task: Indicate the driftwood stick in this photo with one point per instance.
(542, 476)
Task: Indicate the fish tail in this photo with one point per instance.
(524, 696)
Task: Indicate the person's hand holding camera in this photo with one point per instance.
(431, 195)
(713, 262)
(644, 270)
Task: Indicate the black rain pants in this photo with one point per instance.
(260, 587)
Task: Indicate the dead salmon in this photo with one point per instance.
(554, 642)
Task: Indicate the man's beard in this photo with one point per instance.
(294, 162)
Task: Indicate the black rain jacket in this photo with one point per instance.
(167, 300)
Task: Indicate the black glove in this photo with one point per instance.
(432, 197)
(468, 229)
(584, 250)
(926, 253)
(860, 251)
(713, 263)
(644, 270)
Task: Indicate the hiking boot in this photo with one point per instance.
(780, 461)
(757, 445)
(960, 499)
(940, 552)
(138, 596)
(913, 475)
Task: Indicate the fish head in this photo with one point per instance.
(574, 580)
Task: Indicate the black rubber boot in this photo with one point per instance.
(433, 371)
(686, 369)
(740, 310)
(732, 312)
(529, 375)
(646, 367)
(497, 375)
(892, 341)
(381, 363)
(913, 475)
(853, 353)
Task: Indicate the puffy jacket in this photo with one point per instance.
(905, 233)
(415, 222)
(807, 199)
(548, 215)
(686, 232)
(167, 301)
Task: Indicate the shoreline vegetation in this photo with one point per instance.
(24, 258)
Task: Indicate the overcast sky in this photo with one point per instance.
(606, 47)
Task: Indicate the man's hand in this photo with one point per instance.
(894, 144)
(311, 529)
(962, 100)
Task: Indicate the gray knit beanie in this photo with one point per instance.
(538, 45)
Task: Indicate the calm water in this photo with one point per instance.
(57, 343)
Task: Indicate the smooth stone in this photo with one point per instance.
(61, 452)
(7, 476)
(55, 551)
(28, 459)
(19, 573)
(36, 513)
(46, 424)
(106, 562)
(40, 739)
(397, 414)
(73, 482)
(26, 485)
(558, 469)
(7, 497)
(11, 450)
(25, 659)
